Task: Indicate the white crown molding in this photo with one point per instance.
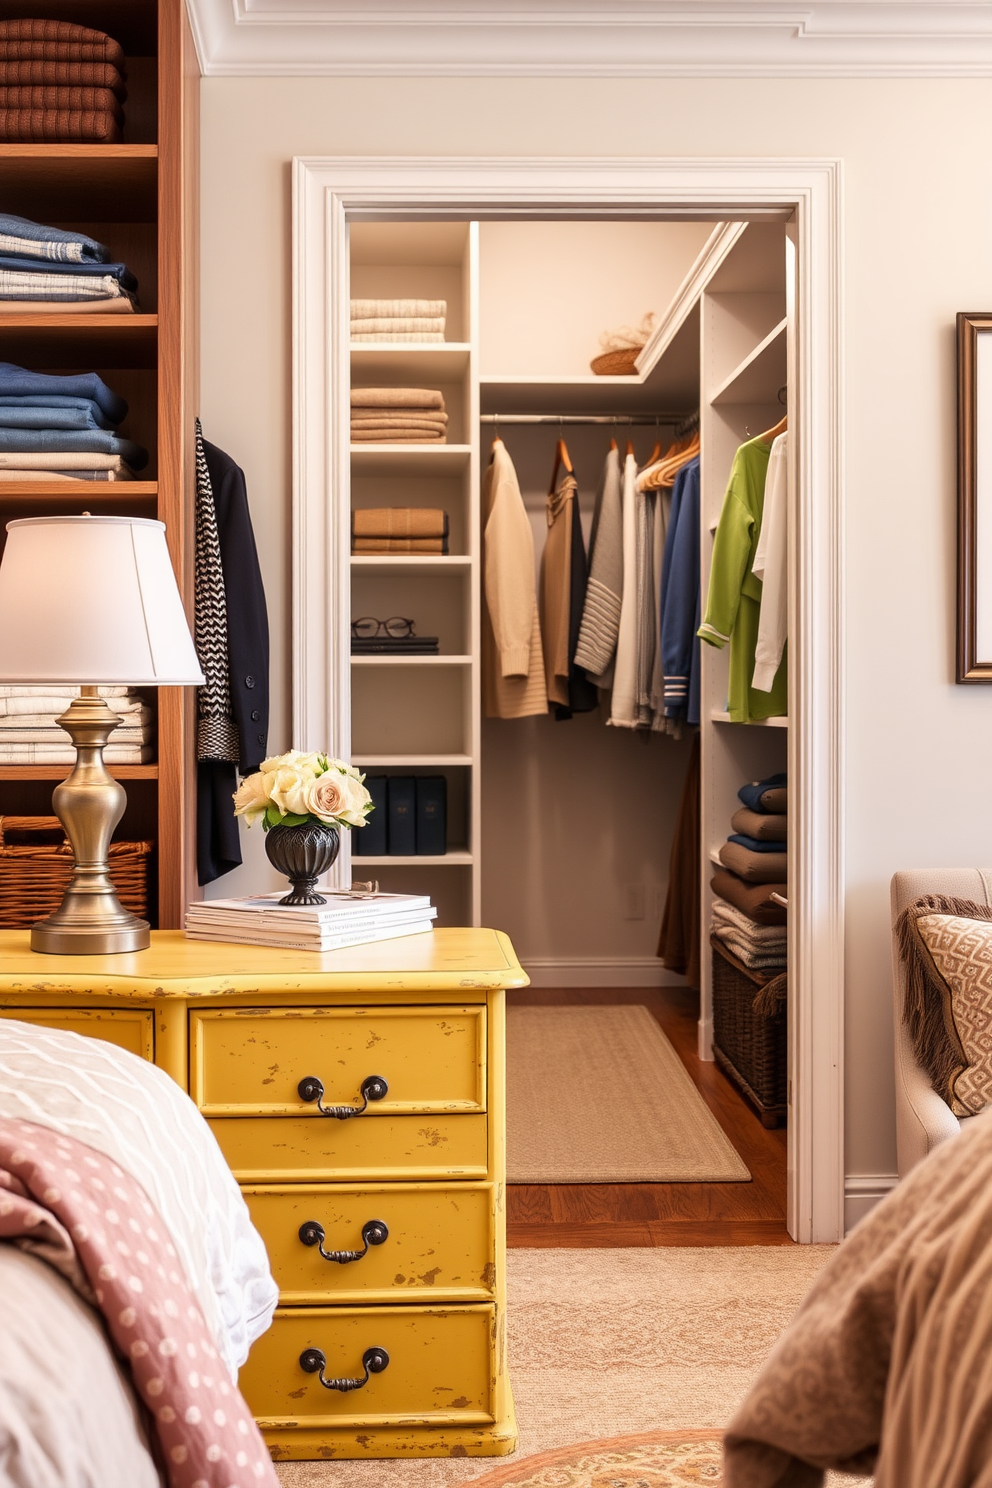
(638, 38)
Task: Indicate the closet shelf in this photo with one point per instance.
(725, 717)
(433, 360)
(409, 761)
(115, 183)
(70, 340)
(406, 661)
(59, 772)
(410, 459)
(759, 376)
(419, 860)
(410, 562)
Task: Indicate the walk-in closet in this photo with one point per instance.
(579, 835)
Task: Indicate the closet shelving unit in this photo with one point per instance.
(140, 198)
(421, 715)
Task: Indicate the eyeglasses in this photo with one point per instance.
(368, 626)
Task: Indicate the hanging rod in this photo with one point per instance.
(622, 420)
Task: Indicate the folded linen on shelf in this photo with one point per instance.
(727, 914)
(45, 286)
(135, 719)
(398, 309)
(757, 844)
(20, 382)
(753, 900)
(76, 99)
(43, 695)
(765, 827)
(72, 273)
(24, 415)
(399, 521)
(120, 305)
(387, 418)
(754, 867)
(26, 239)
(406, 337)
(65, 475)
(97, 441)
(395, 397)
(387, 325)
(68, 460)
(770, 796)
(399, 434)
(58, 72)
(57, 754)
(24, 40)
(59, 126)
(754, 958)
(399, 545)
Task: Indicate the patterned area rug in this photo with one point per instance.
(648, 1459)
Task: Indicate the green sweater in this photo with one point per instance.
(733, 600)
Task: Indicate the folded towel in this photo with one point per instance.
(98, 441)
(752, 959)
(32, 703)
(72, 271)
(728, 914)
(384, 418)
(42, 284)
(383, 325)
(757, 844)
(394, 397)
(371, 309)
(761, 825)
(65, 475)
(434, 337)
(68, 460)
(139, 717)
(26, 40)
(120, 305)
(387, 427)
(77, 100)
(59, 73)
(396, 436)
(399, 521)
(19, 382)
(59, 126)
(29, 239)
(399, 545)
(766, 795)
(755, 867)
(65, 754)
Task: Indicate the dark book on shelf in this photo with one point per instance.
(401, 793)
(432, 815)
(370, 840)
(395, 646)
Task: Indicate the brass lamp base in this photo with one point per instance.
(90, 921)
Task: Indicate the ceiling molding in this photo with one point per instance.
(571, 38)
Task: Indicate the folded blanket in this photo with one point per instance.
(117, 305)
(63, 73)
(727, 914)
(72, 271)
(25, 40)
(98, 441)
(756, 844)
(57, 754)
(766, 795)
(59, 126)
(42, 285)
(29, 239)
(370, 309)
(758, 824)
(754, 867)
(754, 959)
(434, 337)
(76, 461)
(429, 422)
(204, 1428)
(20, 382)
(411, 325)
(753, 900)
(393, 397)
(397, 436)
(15, 690)
(78, 100)
(138, 715)
(399, 545)
(399, 521)
(62, 475)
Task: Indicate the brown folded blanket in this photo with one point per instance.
(399, 521)
(78, 100)
(395, 397)
(754, 867)
(754, 900)
(59, 126)
(399, 545)
(52, 74)
(755, 824)
(396, 436)
(403, 417)
(30, 40)
(776, 799)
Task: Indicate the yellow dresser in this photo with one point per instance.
(359, 1099)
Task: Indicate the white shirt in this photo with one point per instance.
(770, 566)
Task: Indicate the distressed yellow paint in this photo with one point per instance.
(235, 1025)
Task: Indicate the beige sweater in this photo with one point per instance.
(512, 664)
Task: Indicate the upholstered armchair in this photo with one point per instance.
(923, 1118)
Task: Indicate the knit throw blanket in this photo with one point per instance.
(216, 731)
(888, 1363)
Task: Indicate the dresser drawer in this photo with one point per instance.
(250, 1061)
(441, 1367)
(266, 1149)
(439, 1244)
(129, 1028)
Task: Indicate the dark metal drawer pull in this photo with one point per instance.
(374, 1361)
(374, 1232)
(311, 1089)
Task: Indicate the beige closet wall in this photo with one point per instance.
(917, 248)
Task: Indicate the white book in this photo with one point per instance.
(326, 942)
(341, 908)
(275, 923)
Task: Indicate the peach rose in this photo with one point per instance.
(325, 798)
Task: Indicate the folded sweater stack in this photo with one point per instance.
(391, 415)
(399, 529)
(755, 858)
(60, 84)
(63, 428)
(398, 320)
(30, 735)
(46, 270)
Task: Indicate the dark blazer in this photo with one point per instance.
(218, 848)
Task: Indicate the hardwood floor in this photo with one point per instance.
(581, 1215)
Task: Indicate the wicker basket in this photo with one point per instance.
(36, 863)
(616, 363)
(750, 1046)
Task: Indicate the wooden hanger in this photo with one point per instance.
(630, 447)
(770, 435)
(561, 458)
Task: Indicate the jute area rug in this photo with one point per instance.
(605, 1343)
(599, 1095)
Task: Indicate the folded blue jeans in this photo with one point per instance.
(756, 844)
(55, 441)
(19, 382)
(35, 240)
(38, 416)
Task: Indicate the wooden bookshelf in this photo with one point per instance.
(139, 197)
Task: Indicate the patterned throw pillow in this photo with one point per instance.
(946, 945)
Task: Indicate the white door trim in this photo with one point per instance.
(327, 192)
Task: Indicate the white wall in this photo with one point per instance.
(918, 235)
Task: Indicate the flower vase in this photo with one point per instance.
(302, 854)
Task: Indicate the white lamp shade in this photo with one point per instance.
(92, 600)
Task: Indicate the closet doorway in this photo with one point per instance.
(717, 220)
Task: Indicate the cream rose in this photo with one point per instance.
(288, 790)
(251, 798)
(325, 798)
(357, 799)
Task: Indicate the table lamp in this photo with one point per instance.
(91, 601)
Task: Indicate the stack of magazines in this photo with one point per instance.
(347, 919)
